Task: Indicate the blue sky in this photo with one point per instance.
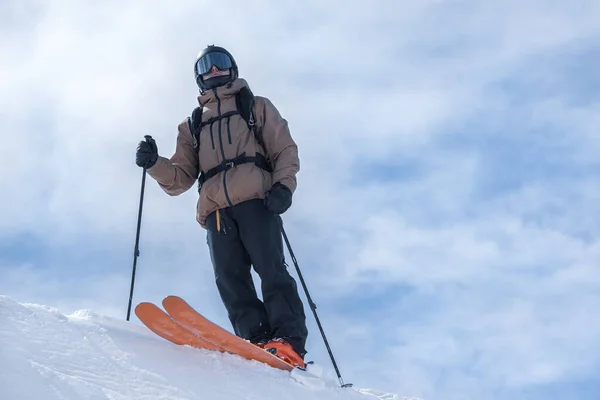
(446, 219)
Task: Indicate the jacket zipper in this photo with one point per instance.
(228, 130)
(222, 148)
(212, 138)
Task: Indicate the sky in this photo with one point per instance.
(446, 218)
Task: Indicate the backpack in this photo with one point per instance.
(244, 101)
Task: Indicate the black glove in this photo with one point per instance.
(278, 199)
(147, 153)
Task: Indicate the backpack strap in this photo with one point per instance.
(259, 160)
(195, 125)
(244, 101)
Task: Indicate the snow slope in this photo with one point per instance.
(47, 355)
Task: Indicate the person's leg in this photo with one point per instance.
(231, 264)
(260, 232)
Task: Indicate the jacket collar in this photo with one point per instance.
(223, 92)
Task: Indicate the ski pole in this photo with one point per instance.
(136, 250)
(313, 307)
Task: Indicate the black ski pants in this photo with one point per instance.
(246, 235)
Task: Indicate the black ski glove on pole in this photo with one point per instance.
(278, 199)
(147, 153)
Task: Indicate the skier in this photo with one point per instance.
(246, 180)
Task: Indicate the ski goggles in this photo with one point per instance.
(219, 60)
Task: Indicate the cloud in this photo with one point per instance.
(445, 214)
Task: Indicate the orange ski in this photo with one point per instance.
(164, 326)
(189, 318)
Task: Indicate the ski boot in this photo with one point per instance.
(282, 349)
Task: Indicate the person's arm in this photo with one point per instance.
(177, 174)
(281, 148)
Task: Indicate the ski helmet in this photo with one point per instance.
(219, 57)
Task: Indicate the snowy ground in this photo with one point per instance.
(47, 355)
